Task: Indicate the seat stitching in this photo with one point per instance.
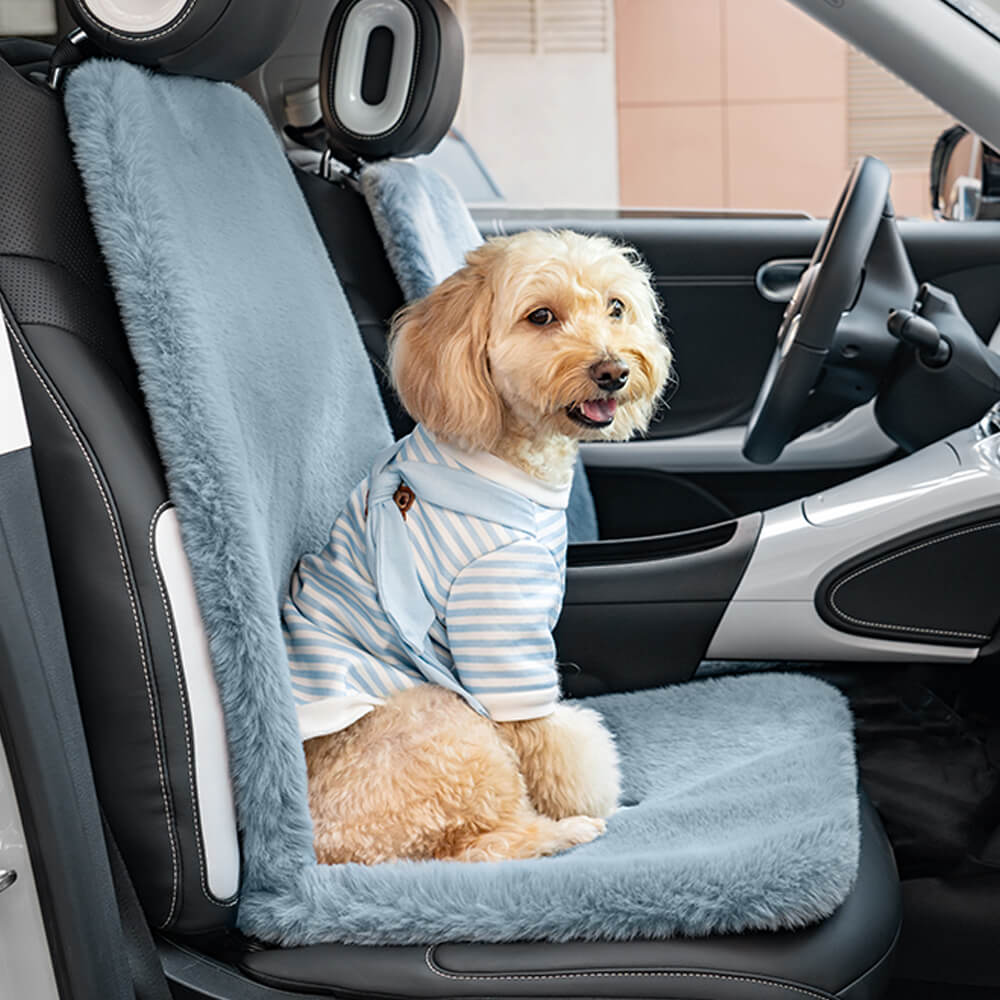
(185, 709)
(625, 974)
(168, 810)
(895, 555)
(138, 36)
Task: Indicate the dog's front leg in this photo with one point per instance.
(569, 761)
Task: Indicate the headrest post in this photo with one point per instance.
(331, 157)
(71, 51)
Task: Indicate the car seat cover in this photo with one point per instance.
(741, 805)
(236, 319)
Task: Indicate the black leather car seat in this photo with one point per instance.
(154, 731)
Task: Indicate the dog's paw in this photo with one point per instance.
(581, 829)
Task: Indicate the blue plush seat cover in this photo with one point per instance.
(741, 807)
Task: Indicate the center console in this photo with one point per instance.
(897, 565)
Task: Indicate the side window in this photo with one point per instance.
(678, 104)
(31, 18)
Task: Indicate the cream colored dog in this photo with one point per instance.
(541, 341)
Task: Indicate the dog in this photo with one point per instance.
(420, 638)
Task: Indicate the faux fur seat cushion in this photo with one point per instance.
(741, 792)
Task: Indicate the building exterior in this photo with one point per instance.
(717, 104)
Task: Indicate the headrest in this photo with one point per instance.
(218, 39)
(390, 76)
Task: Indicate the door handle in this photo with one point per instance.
(7, 878)
(776, 280)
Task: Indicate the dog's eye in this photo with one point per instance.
(542, 317)
(617, 308)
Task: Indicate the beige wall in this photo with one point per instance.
(542, 115)
(740, 104)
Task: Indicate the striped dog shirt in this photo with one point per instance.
(445, 567)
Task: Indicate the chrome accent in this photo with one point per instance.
(54, 78)
(776, 280)
(990, 424)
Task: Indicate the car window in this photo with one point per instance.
(32, 18)
(681, 104)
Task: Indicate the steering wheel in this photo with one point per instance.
(826, 289)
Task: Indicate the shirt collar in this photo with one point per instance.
(487, 465)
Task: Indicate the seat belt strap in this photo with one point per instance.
(140, 950)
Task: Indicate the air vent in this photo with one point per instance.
(526, 27)
(887, 118)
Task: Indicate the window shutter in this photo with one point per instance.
(502, 26)
(574, 25)
(887, 118)
(526, 27)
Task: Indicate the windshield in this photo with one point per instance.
(986, 13)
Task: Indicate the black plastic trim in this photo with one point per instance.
(655, 612)
(951, 595)
(692, 572)
(677, 543)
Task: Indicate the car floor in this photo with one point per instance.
(929, 754)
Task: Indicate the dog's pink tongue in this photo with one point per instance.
(599, 410)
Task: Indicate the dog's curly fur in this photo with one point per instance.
(424, 776)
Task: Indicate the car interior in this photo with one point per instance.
(820, 504)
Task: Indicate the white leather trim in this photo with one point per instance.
(135, 16)
(772, 615)
(354, 112)
(855, 439)
(13, 425)
(213, 786)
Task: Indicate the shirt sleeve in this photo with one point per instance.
(499, 618)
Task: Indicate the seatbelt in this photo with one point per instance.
(148, 978)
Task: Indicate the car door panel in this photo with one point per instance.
(723, 317)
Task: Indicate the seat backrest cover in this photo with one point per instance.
(263, 404)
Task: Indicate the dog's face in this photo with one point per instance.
(541, 333)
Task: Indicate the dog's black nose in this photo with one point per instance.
(609, 375)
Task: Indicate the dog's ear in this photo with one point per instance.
(438, 359)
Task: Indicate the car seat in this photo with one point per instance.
(425, 227)
(167, 796)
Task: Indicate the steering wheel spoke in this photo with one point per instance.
(826, 289)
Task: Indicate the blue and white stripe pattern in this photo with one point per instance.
(495, 591)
